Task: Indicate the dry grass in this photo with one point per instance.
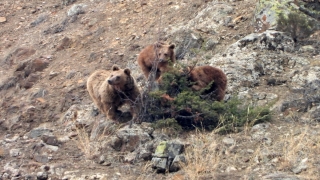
(90, 146)
(298, 145)
(202, 155)
(207, 156)
(83, 142)
(2, 152)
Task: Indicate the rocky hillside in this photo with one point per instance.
(50, 129)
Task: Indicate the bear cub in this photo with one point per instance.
(111, 89)
(202, 76)
(160, 54)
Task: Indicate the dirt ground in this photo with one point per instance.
(106, 33)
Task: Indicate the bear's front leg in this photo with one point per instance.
(110, 110)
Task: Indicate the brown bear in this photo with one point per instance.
(111, 89)
(202, 76)
(159, 54)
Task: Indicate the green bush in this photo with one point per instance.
(176, 104)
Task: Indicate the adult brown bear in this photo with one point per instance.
(202, 76)
(160, 55)
(111, 89)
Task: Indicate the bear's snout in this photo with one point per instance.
(114, 80)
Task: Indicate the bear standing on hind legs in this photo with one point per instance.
(202, 76)
(159, 54)
(111, 89)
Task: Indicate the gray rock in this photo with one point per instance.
(131, 138)
(41, 158)
(68, 2)
(42, 175)
(76, 9)
(279, 176)
(302, 166)
(174, 149)
(39, 20)
(260, 127)
(38, 132)
(52, 148)
(160, 164)
(228, 141)
(269, 40)
(71, 74)
(186, 43)
(166, 156)
(162, 150)
(210, 44)
(78, 115)
(15, 152)
(12, 168)
(50, 140)
(131, 157)
(307, 48)
(57, 28)
(53, 74)
(145, 154)
(176, 163)
(12, 139)
(209, 19)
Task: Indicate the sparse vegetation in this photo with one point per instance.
(296, 24)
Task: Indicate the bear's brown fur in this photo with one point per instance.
(111, 89)
(159, 53)
(202, 76)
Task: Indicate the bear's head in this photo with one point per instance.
(195, 73)
(120, 78)
(165, 52)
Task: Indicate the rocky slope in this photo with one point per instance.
(51, 130)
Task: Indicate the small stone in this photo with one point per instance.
(15, 152)
(76, 9)
(50, 140)
(301, 167)
(41, 159)
(13, 139)
(38, 132)
(42, 175)
(279, 176)
(176, 163)
(3, 19)
(160, 164)
(53, 74)
(145, 155)
(228, 141)
(230, 168)
(52, 148)
(307, 48)
(130, 157)
(174, 149)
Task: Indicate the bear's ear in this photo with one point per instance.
(115, 67)
(172, 46)
(158, 44)
(127, 71)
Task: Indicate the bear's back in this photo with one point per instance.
(95, 80)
